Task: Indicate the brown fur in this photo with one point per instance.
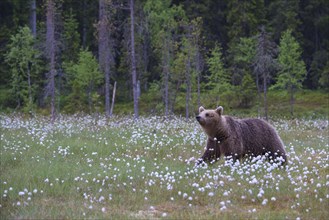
(238, 138)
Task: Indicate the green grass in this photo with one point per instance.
(126, 169)
(310, 104)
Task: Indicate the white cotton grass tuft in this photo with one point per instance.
(149, 159)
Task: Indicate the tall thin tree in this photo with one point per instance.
(33, 18)
(104, 51)
(133, 58)
(51, 54)
(293, 70)
(264, 63)
(188, 78)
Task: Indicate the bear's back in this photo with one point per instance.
(257, 136)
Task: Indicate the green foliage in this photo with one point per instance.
(182, 68)
(317, 72)
(293, 70)
(172, 40)
(71, 38)
(151, 101)
(163, 19)
(243, 18)
(324, 77)
(247, 91)
(84, 76)
(219, 80)
(243, 54)
(284, 15)
(6, 99)
(264, 61)
(22, 59)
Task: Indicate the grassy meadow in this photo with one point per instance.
(85, 167)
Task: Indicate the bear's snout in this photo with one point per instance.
(200, 120)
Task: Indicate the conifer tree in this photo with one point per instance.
(22, 60)
(51, 53)
(164, 20)
(84, 77)
(264, 63)
(219, 79)
(105, 48)
(292, 67)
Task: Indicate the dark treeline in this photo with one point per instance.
(65, 56)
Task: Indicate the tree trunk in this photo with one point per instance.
(113, 97)
(107, 90)
(51, 47)
(188, 84)
(292, 101)
(258, 95)
(84, 25)
(265, 96)
(90, 102)
(166, 77)
(29, 84)
(133, 59)
(198, 71)
(33, 18)
(104, 50)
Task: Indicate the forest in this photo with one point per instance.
(159, 57)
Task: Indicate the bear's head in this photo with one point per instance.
(210, 120)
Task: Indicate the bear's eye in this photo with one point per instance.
(207, 115)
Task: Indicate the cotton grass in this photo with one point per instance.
(84, 167)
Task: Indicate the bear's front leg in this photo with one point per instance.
(211, 153)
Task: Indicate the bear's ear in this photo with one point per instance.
(201, 109)
(220, 110)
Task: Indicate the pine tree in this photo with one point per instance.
(293, 71)
(314, 43)
(71, 38)
(243, 54)
(243, 18)
(219, 79)
(105, 48)
(51, 52)
(164, 20)
(324, 77)
(283, 15)
(24, 65)
(264, 63)
(84, 76)
(133, 58)
(247, 91)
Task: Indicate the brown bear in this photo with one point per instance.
(237, 138)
